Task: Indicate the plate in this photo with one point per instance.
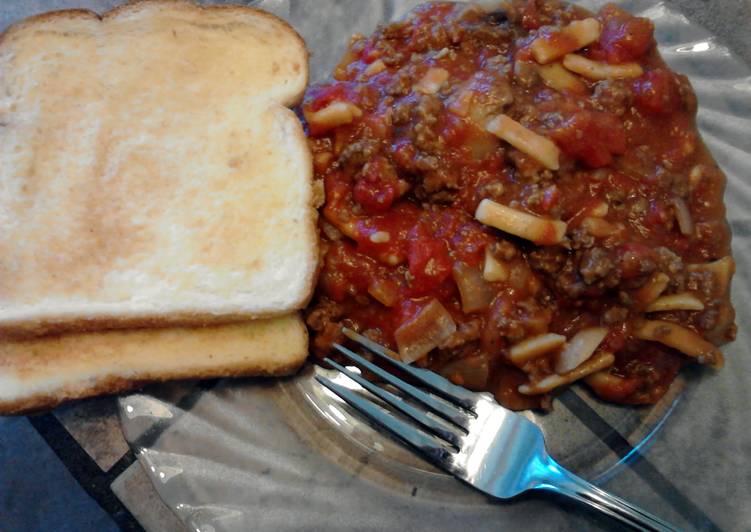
(286, 455)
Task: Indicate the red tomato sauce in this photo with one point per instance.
(405, 172)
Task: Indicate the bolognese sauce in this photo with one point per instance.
(519, 199)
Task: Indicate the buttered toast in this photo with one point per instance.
(40, 373)
(151, 173)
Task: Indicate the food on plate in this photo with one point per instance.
(156, 200)
(38, 373)
(519, 199)
(150, 170)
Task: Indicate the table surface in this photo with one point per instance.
(71, 469)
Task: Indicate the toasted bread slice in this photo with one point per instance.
(150, 171)
(40, 373)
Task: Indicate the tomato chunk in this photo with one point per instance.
(657, 92)
(375, 189)
(429, 261)
(531, 16)
(624, 37)
(385, 237)
(593, 137)
(321, 96)
(346, 272)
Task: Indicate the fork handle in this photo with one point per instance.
(559, 480)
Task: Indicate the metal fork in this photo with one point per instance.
(497, 451)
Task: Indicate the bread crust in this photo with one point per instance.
(134, 5)
(27, 330)
(22, 325)
(113, 385)
(262, 348)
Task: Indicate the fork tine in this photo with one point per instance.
(433, 426)
(442, 408)
(426, 445)
(447, 390)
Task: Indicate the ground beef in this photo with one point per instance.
(425, 37)
(503, 250)
(595, 264)
(467, 332)
(568, 283)
(632, 261)
(535, 196)
(325, 312)
(324, 340)
(389, 54)
(496, 34)
(680, 185)
(668, 261)
(548, 260)
(492, 190)
(615, 198)
(527, 168)
(507, 326)
(614, 315)
(438, 181)
(376, 335)
(703, 282)
(493, 93)
(498, 17)
(546, 12)
(324, 320)
(581, 239)
(428, 108)
(513, 329)
(525, 73)
(638, 208)
(402, 111)
(687, 93)
(586, 273)
(424, 162)
(358, 153)
(613, 95)
(426, 138)
(396, 30)
(708, 319)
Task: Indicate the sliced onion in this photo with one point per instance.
(384, 291)
(429, 329)
(494, 270)
(558, 78)
(594, 364)
(681, 301)
(470, 372)
(334, 114)
(480, 146)
(476, 294)
(600, 210)
(612, 387)
(535, 347)
(461, 103)
(331, 232)
(724, 325)
(722, 269)
(683, 216)
(432, 81)
(374, 68)
(581, 346)
(653, 288)
(681, 338)
(599, 228)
